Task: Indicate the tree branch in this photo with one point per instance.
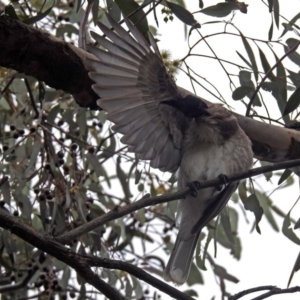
(273, 290)
(138, 273)
(49, 245)
(49, 59)
(82, 263)
(62, 66)
(119, 212)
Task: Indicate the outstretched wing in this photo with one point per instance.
(131, 81)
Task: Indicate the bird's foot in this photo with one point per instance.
(223, 181)
(194, 186)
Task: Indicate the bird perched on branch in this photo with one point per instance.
(171, 127)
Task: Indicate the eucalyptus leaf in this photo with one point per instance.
(220, 10)
(240, 92)
(181, 13)
(252, 204)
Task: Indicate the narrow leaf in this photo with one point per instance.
(251, 56)
(276, 12)
(288, 231)
(181, 13)
(252, 204)
(293, 102)
(295, 269)
(220, 10)
(270, 34)
(285, 175)
(139, 18)
(265, 64)
(241, 92)
(38, 17)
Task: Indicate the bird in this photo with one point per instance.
(171, 127)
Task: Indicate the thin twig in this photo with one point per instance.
(119, 212)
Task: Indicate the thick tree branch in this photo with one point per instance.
(62, 66)
(30, 51)
(49, 245)
(82, 263)
(119, 212)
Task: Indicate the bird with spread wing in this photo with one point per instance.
(169, 126)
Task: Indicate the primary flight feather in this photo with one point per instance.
(169, 126)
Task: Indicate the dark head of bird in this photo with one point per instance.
(190, 106)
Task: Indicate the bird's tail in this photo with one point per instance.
(179, 264)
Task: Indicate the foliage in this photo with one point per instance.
(62, 166)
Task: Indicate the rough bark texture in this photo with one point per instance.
(62, 66)
(30, 51)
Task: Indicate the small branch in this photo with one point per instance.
(13, 287)
(138, 273)
(267, 75)
(273, 290)
(81, 263)
(253, 290)
(49, 245)
(119, 212)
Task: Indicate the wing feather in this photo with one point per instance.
(132, 81)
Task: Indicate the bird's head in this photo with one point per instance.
(190, 106)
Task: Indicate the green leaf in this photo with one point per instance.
(270, 5)
(128, 289)
(195, 276)
(279, 92)
(182, 14)
(245, 80)
(10, 11)
(5, 190)
(241, 92)
(265, 64)
(295, 269)
(251, 56)
(289, 26)
(38, 17)
(265, 203)
(244, 76)
(294, 56)
(191, 293)
(270, 34)
(297, 224)
(295, 77)
(220, 10)
(139, 18)
(285, 175)
(268, 175)
(222, 273)
(276, 12)
(113, 10)
(123, 179)
(94, 163)
(225, 221)
(244, 59)
(252, 204)
(293, 102)
(95, 11)
(288, 231)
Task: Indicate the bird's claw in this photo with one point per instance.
(223, 180)
(194, 186)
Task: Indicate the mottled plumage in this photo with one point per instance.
(169, 126)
